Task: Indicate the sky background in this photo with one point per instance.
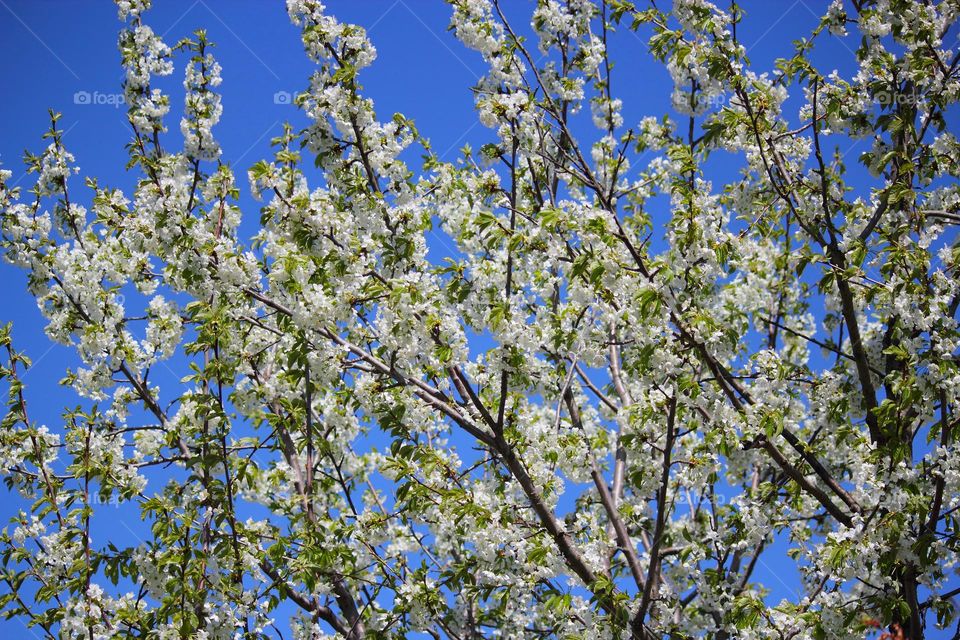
(62, 54)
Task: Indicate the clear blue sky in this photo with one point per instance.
(52, 52)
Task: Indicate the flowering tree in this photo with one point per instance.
(561, 430)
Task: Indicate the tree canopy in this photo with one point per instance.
(626, 384)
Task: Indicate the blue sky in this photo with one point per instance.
(63, 55)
